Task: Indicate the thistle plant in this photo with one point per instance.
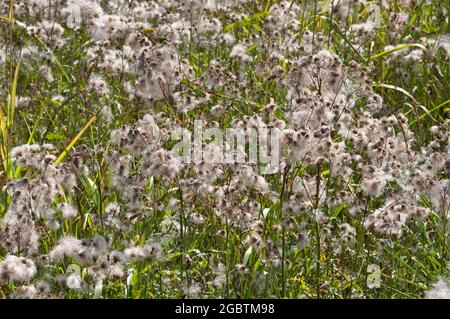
(224, 149)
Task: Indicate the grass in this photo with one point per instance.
(408, 265)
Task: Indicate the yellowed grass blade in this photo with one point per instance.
(12, 99)
(11, 11)
(4, 146)
(75, 139)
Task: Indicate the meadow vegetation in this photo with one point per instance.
(95, 203)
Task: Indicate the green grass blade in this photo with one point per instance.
(396, 88)
(432, 110)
